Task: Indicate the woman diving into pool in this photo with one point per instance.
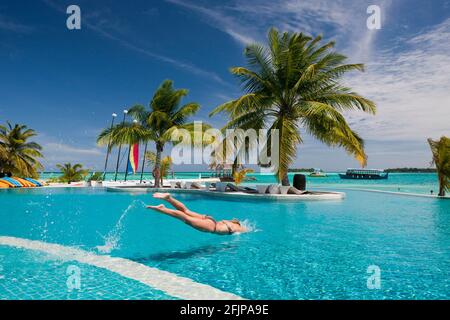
(198, 221)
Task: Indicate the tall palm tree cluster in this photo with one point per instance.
(155, 123)
(294, 84)
(18, 155)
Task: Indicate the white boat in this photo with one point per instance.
(318, 173)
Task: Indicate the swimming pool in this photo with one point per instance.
(307, 250)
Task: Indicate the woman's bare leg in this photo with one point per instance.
(199, 224)
(166, 196)
(180, 215)
(177, 204)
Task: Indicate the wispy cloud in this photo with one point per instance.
(9, 25)
(409, 83)
(220, 18)
(248, 21)
(68, 151)
(56, 152)
(411, 87)
(103, 28)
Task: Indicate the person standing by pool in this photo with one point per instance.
(198, 221)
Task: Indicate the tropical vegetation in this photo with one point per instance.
(18, 155)
(165, 167)
(71, 173)
(124, 134)
(440, 150)
(95, 176)
(156, 123)
(294, 83)
(239, 176)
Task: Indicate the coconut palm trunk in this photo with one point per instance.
(441, 187)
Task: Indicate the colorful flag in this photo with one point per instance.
(134, 159)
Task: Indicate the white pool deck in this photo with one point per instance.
(313, 196)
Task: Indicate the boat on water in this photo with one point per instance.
(367, 174)
(318, 173)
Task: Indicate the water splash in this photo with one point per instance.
(112, 239)
(249, 225)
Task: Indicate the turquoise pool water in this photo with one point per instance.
(309, 250)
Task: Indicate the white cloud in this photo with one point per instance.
(58, 151)
(411, 87)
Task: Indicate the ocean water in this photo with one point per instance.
(305, 250)
(422, 183)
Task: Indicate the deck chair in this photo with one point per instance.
(236, 188)
(294, 190)
(196, 185)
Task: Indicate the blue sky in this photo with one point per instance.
(65, 84)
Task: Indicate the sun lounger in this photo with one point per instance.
(262, 188)
(293, 190)
(273, 189)
(221, 186)
(196, 185)
(284, 189)
(173, 184)
(236, 188)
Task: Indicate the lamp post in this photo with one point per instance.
(128, 160)
(109, 146)
(120, 146)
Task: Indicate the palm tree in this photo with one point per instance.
(239, 176)
(18, 156)
(293, 83)
(71, 173)
(441, 159)
(166, 164)
(124, 134)
(166, 115)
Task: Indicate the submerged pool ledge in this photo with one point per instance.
(169, 283)
(316, 196)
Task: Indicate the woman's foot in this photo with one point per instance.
(160, 195)
(159, 206)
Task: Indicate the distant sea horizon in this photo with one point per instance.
(420, 183)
